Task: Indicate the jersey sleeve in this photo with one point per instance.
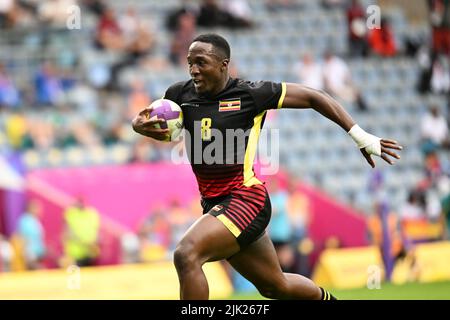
(173, 92)
(267, 95)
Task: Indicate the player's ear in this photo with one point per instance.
(225, 63)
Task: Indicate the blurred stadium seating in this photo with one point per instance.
(388, 85)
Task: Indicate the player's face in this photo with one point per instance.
(207, 69)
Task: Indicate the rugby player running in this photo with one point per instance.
(235, 203)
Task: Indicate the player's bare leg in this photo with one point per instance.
(206, 240)
(259, 264)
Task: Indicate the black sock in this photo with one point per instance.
(326, 295)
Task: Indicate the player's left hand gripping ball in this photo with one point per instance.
(165, 116)
(164, 109)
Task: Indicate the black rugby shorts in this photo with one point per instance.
(245, 212)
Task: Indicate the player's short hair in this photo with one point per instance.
(220, 44)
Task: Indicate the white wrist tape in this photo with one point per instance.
(365, 140)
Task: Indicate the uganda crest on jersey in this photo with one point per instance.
(222, 131)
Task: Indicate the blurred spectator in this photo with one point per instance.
(424, 60)
(240, 284)
(413, 209)
(28, 11)
(444, 190)
(130, 248)
(414, 42)
(298, 210)
(434, 72)
(421, 218)
(332, 242)
(55, 12)
(299, 218)
(433, 130)
(338, 81)
(6, 254)
(143, 151)
(309, 72)
(280, 229)
(108, 33)
(180, 220)
(433, 206)
(440, 24)
(110, 124)
(173, 17)
(213, 15)
(382, 41)
(210, 14)
(10, 14)
(440, 75)
(82, 224)
(48, 85)
(6, 8)
(195, 208)
(16, 129)
(241, 10)
(112, 134)
(138, 98)
(433, 170)
(9, 94)
(136, 33)
(85, 133)
(357, 31)
(376, 183)
(95, 6)
(31, 231)
(41, 132)
(127, 34)
(155, 236)
(393, 234)
(183, 35)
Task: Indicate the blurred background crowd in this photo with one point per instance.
(73, 73)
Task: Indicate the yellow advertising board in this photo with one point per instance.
(349, 267)
(426, 262)
(152, 281)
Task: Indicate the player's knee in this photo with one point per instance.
(275, 290)
(185, 257)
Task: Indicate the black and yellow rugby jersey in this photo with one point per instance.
(223, 131)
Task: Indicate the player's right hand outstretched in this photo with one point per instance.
(142, 124)
(369, 145)
(385, 147)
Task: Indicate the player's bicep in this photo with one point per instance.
(299, 96)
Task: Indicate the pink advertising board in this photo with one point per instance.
(125, 195)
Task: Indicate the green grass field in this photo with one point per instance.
(410, 291)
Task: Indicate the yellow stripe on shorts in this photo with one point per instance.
(229, 225)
